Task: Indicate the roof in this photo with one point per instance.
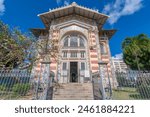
(108, 33)
(73, 8)
(37, 31)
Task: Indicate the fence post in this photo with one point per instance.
(100, 63)
(38, 83)
(46, 79)
(109, 82)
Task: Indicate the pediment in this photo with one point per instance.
(54, 14)
(73, 28)
(76, 23)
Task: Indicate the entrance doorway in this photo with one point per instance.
(73, 71)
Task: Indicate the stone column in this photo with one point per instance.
(100, 63)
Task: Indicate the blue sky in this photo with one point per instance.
(129, 17)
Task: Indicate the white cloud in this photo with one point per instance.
(118, 56)
(121, 8)
(66, 2)
(2, 7)
(58, 2)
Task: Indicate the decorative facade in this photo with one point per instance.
(81, 40)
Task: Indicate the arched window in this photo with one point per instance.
(103, 49)
(66, 42)
(82, 42)
(73, 41)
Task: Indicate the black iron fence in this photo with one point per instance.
(101, 92)
(15, 84)
(132, 85)
(22, 84)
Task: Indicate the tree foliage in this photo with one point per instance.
(17, 47)
(14, 46)
(136, 52)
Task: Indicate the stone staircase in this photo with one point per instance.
(73, 91)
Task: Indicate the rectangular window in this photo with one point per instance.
(102, 48)
(82, 66)
(64, 66)
(65, 54)
(82, 54)
(74, 54)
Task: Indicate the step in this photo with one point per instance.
(74, 91)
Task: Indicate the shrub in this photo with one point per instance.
(21, 89)
(144, 91)
(2, 87)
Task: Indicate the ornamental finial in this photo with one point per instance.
(74, 4)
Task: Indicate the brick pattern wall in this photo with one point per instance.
(106, 58)
(53, 65)
(93, 54)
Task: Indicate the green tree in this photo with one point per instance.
(14, 46)
(17, 47)
(136, 52)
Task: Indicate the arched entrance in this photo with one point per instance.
(74, 57)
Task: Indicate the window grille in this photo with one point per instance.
(64, 66)
(82, 66)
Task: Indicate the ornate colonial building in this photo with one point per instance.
(81, 40)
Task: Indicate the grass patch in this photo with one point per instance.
(125, 93)
(18, 91)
